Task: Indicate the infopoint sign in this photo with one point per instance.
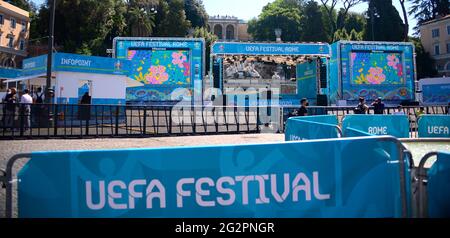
(163, 65)
(75, 63)
(268, 180)
(372, 70)
(90, 64)
(230, 48)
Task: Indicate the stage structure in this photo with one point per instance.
(295, 70)
(164, 66)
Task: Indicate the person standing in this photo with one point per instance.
(303, 110)
(26, 100)
(420, 112)
(85, 110)
(10, 100)
(378, 107)
(362, 107)
(8, 92)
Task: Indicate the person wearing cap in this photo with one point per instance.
(378, 106)
(362, 107)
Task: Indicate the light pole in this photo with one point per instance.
(51, 41)
(373, 14)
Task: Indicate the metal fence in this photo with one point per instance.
(20, 121)
(411, 112)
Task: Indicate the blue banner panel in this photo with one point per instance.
(394, 125)
(269, 180)
(437, 126)
(350, 132)
(327, 119)
(436, 94)
(10, 73)
(438, 187)
(307, 80)
(91, 64)
(35, 65)
(232, 48)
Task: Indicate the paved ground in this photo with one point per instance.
(10, 148)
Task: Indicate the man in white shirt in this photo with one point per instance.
(26, 100)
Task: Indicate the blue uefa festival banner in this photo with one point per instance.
(311, 128)
(394, 125)
(268, 180)
(233, 48)
(437, 126)
(438, 187)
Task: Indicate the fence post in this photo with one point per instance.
(21, 117)
(55, 121)
(237, 118)
(194, 119)
(258, 129)
(144, 124)
(117, 121)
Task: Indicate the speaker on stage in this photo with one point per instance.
(322, 100)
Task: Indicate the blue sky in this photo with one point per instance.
(247, 9)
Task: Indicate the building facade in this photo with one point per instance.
(229, 28)
(435, 37)
(14, 35)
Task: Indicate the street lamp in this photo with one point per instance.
(372, 14)
(278, 32)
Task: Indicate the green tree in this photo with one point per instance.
(424, 62)
(312, 24)
(342, 34)
(387, 24)
(26, 5)
(196, 13)
(283, 14)
(140, 21)
(82, 25)
(210, 38)
(425, 10)
(171, 19)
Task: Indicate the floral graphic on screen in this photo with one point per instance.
(376, 76)
(157, 75)
(178, 58)
(161, 71)
(376, 68)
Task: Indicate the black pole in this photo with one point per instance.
(51, 40)
(372, 20)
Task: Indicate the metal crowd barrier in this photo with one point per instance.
(96, 121)
(9, 180)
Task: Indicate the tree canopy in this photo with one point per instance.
(387, 23)
(89, 26)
